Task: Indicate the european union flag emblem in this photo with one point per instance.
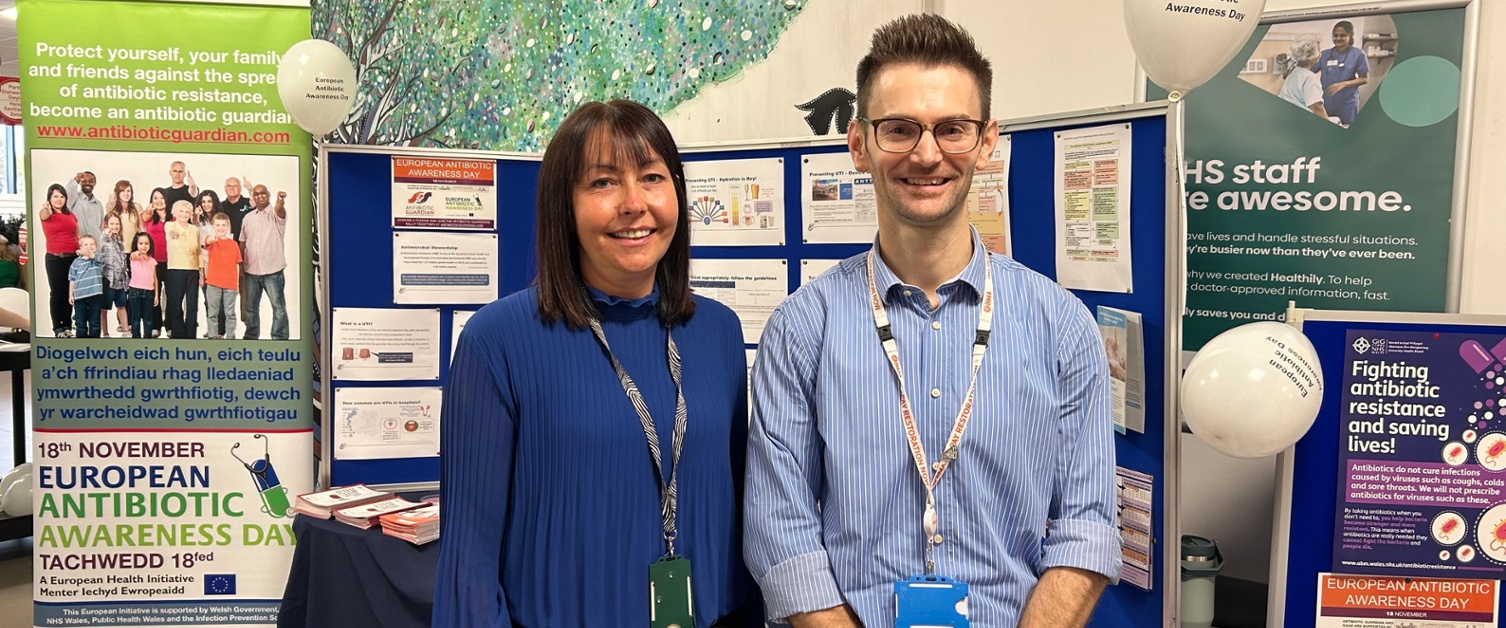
(219, 584)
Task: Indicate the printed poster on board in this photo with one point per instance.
(1422, 455)
(435, 193)
(1341, 203)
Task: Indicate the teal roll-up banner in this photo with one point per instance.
(1320, 169)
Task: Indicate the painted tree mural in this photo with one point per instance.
(501, 74)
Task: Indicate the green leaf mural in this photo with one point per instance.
(501, 74)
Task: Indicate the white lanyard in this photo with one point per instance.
(931, 521)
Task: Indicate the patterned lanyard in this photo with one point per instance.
(931, 521)
(668, 491)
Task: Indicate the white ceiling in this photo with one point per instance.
(9, 66)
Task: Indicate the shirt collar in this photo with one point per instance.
(618, 308)
(971, 275)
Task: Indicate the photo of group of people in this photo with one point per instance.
(1329, 67)
(134, 245)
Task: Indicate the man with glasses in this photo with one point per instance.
(931, 423)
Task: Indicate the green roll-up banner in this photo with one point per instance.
(1342, 206)
(166, 453)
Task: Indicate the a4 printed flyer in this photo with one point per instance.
(1422, 456)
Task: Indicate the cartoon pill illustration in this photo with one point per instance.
(1476, 356)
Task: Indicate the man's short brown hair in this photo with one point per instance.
(929, 40)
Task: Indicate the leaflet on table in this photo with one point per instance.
(1422, 455)
(435, 267)
(751, 287)
(1134, 494)
(810, 269)
(988, 200)
(1346, 601)
(367, 515)
(457, 324)
(324, 503)
(384, 344)
(838, 201)
(436, 193)
(738, 202)
(1124, 344)
(1093, 209)
(383, 423)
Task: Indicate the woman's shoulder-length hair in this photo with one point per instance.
(633, 135)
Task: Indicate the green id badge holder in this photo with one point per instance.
(669, 593)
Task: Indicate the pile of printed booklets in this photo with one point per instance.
(364, 507)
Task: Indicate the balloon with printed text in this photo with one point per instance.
(317, 84)
(1183, 43)
(1254, 390)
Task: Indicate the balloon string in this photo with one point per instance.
(1179, 156)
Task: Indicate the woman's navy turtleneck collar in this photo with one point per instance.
(615, 308)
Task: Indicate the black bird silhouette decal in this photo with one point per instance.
(833, 103)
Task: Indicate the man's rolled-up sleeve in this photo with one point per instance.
(1083, 531)
(782, 541)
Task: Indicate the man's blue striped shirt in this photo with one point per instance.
(834, 502)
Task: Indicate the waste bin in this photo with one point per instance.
(1201, 563)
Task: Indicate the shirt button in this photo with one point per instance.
(935, 392)
(935, 324)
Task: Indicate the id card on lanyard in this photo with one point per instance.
(929, 599)
(671, 604)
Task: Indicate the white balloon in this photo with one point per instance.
(1254, 390)
(15, 474)
(317, 84)
(17, 301)
(1183, 43)
(17, 499)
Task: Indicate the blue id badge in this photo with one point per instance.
(930, 602)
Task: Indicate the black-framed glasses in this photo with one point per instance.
(901, 135)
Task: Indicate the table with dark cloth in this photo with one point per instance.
(345, 576)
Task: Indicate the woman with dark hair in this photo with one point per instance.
(154, 223)
(595, 423)
(1343, 68)
(60, 227)
(203, 216)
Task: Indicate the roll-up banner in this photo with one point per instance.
(1321, 169)
(170, 227)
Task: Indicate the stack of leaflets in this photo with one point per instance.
(417, 526)
(323, 503)
(365, 516)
